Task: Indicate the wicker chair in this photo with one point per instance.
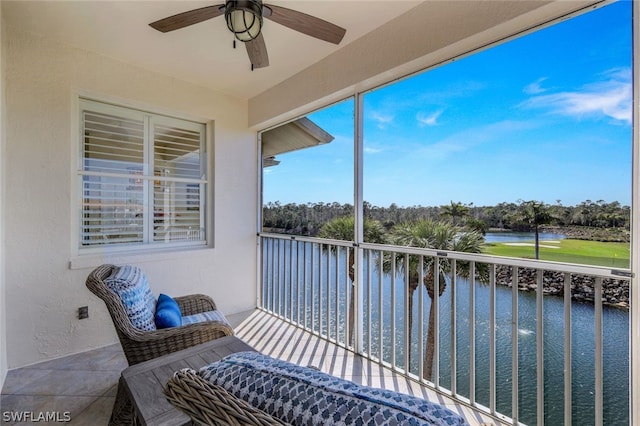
(140, 346)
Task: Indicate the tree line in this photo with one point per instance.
(307, 219)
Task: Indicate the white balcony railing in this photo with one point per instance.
(490, 350)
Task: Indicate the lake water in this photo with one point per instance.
(615, 329)
(616, 354)
(616, 351)
(508, 237)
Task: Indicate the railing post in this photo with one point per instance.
(337, 299)
(312, 284)
(421, 320)
(260, 276)
(369, 300)
(540, 344)
(279, 278)
(514, 345)
(393, 309)
(567, 349)
(305, 280)
(454, 327)
(492, 339)
(290, 257)
(407, 315)
(472, 335)
(598, 351)
(358, 294)
(381, 315)
(320, 293)
(435, 366)
(328, 300)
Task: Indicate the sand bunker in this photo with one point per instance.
(545, 244)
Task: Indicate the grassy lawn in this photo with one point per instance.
(615, 255)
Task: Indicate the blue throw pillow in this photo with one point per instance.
(167, 312)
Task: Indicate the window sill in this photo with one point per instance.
(122, 258)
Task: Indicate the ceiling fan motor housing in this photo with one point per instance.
(244, 18)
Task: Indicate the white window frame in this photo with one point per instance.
(83, 256)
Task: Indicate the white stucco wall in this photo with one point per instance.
(42, 292)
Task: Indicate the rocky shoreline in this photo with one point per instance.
(614, 292)
(614, 235)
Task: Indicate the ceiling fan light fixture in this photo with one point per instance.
(244, 18)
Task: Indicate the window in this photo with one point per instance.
(142, 179)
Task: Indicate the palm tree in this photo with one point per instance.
(455, 211)
(343, 228)
(439, 236)
(535, 213)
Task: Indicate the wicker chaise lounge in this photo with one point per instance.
(141, 345)
(253, 389)
(209, 404)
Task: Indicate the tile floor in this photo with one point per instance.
(81, 388)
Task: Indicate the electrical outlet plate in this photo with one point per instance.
(83, 312)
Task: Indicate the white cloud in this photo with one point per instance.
(382, 119)
(372, 150)
(535, 88)
(469, 139)
(610, 98)
(425, 119)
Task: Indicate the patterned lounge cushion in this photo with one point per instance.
(304, 396)
(130, 283)
(205, 316)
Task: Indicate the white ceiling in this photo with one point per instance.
(202, 53)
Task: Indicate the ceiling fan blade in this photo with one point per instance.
(185, 19)
(306, 24)
(257, 51)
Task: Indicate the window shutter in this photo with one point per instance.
(112, 144)
(133, 163)
(177, 190)
(112, 207)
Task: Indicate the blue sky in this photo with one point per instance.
(543, 117)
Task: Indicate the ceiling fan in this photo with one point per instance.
(244, 20)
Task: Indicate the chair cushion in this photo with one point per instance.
(167, 312)
(130, 283)
(302, 395)
(205, 316)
